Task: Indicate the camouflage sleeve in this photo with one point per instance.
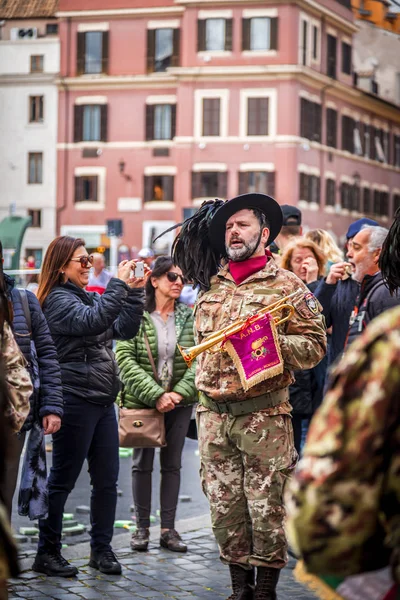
(350, 459)
(303, 344)
(17, 379)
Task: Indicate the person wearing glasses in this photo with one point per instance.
(83, 326)
(166, 323)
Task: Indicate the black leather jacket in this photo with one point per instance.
(83, 326)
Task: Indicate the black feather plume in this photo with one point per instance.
(389, 260)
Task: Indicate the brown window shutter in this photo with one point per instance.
(168, 187)
(104, 122)
(389, 148)
(211, 114)
(176, 51)
(228, 34)
(95, 181)
(331, 127)
(78, 122)
(274, 33)
(196, 185)
(149, 133)
(263, 116)
(148, 188)
(105, 52)
(367, 201)
(80, 53)
(317, 199)
(151, 48)
(245, 34)
(222, 185)
(201, 35)
(317, 122)
(252, 116)
(303, 117)
(243, 182)
(372, 148)
(173, 121)
(302, 186)
(271, 183)
(78, 189)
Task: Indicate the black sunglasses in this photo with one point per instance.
(172, 277)
(84, 260)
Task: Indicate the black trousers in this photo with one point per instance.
(176, 425)
(88, 431)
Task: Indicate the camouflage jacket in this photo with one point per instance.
(302, 338)
(344, 501)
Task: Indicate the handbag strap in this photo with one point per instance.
(151, 359)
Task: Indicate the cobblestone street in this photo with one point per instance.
(157, 574)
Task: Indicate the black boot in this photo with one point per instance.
(106, 562)
(267, 579)
(53, 565)
(242, 583)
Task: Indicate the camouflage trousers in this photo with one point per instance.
(245, 463)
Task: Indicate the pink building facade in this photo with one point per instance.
(163, 104)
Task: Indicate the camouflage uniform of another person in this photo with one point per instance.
(344, 501)
(246, 437)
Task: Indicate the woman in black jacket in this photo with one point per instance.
(83, 326)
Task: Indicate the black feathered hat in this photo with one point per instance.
(261, 202)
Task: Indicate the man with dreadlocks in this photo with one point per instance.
(245, 435)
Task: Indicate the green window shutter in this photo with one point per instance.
(201, 35)
(104, 122)
(228, 34)
(245, 34)
(274, 33)
(149, 125)
(78, 122)
(80, 53)
(151, 46)
(105, 52)
(176, 51)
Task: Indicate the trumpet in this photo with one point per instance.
(214, 342)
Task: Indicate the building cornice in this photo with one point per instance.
(28, 79)
(121, 12)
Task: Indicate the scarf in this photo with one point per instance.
(241, 270)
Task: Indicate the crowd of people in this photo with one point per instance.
(316, 378)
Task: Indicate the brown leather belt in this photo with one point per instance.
(245, 407)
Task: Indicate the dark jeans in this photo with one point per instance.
(88, 431)
(301, 424)
(176, 426)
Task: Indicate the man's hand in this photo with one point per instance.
(337, 272)
(51, 424)
(165, 403)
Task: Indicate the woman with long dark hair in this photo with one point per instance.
(166, 323)
(83, 326)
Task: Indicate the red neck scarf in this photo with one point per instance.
(243, 269)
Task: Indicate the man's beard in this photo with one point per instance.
(246, 251)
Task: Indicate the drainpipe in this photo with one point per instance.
(64, 84)
(322, 152)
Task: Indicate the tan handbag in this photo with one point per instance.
(141, 427)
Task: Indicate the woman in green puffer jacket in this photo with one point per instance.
(166, 323)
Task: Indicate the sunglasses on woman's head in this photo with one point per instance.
(84, 260)
(172, 277)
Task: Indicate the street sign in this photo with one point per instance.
(114, 227)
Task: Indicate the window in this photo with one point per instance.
(36, 218)
(331, 56)
(90, 122)
(86, 188)
(355, 198)
(37, 63)
(257, 116)
(92, 53)
(304, 53)
(310, 188)
(381, 203)
(396, 203)
(310, 120)
(315, 42)
(163, 49)
(262, 182)
(367, 201)
(214, 35)
(260, 33)
(35, 109)
(331, 127)
(346, 196)
(348, 126)
(51, 29)
(209, 184)
(346, 58)
(211, 116)
(380, 145)
(160, 121)
(158, 188)
(35, 167)
(330, 192)
(396, 150)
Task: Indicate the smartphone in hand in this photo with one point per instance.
(139, 270)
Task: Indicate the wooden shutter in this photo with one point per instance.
(211, 116)
(104, 122)
(246, 34)
(257, 116)
(78, 122)
(78, 189)
(346, 58)
(317, 112)
(329, 192)
(274, 33)
(201, 35)
(228, 34)
(151, 49)
(196, 185)
(303, 117)
(331, 56)
(331, 127)
(303, 187)
(105, 51)
(317, 198)
(168, 187)
(94, 188)
(372, 147)
(271, 183)
(222, 185)
(176, 48)
(148, 188)
(389, 158)
(243, 182)
(80, 53)
(173, 120)
(367, 201)
(149, 127)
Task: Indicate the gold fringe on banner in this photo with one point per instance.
(315, 584)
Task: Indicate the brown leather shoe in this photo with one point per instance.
(172, 541)
(140, 539)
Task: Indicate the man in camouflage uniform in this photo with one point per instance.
(246, 438)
